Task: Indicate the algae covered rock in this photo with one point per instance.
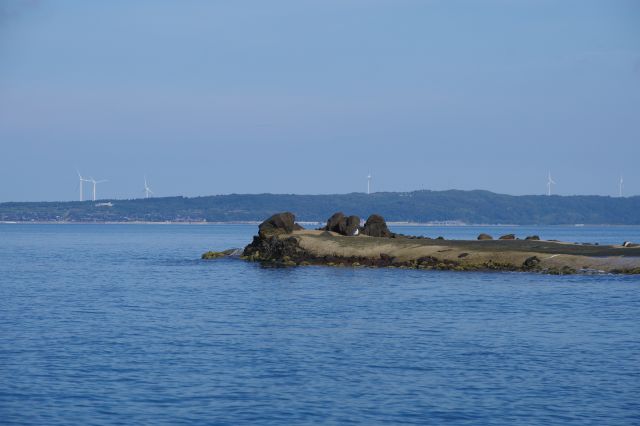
(533, 238)
(508, 237)
(485, 237)
(218, 254)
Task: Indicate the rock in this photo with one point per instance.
(440, 238)
(375, 226)
(333, 224)
(533, 238)
(508, 237)
(351, 226)
(343, 225)
(218, 254)
(485, 237)
(531, 262)
(273, 248)
(279, 223)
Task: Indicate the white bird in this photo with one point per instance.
(549, 183)
(369, 184)
(147, 190)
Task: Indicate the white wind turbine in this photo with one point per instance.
(81, 186)
(95, 182)
(620, 186)
(147, 190)
(369, 184)
(549, 183)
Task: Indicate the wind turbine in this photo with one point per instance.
(620, 186)
(81, 181)
(549, 183)
(369, 184)
(95, 182)
(147, 190)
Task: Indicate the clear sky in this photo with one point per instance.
(216, 97)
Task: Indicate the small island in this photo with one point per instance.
(345, 241)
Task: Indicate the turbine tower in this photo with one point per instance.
(81, 186)
(369, 184)
(549, 183)
(147, 190)
(620, 186)
(95, 182)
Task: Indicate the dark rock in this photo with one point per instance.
(485, 237)
(218, 254)
(385, 260)
(274, 248)
(343, 225)
(440, 238)
(333, 224)
(352, 226)
(531, 262)
(461, 255)
(508, 237)
(533, 237)
(376, 227)
(279, 223)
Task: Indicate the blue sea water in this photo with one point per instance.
(123, 324)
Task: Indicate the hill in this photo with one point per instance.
(418, 206)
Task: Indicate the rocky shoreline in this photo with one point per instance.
(349, 242)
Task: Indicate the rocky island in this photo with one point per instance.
(346, 241)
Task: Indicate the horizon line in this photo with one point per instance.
(321, 195)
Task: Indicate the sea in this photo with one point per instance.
(124, 324)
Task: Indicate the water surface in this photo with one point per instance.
(103, 324)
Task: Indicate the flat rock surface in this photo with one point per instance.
(470, 253)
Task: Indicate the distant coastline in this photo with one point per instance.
(419, 208)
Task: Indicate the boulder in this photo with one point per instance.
(218, 254)
(508, 237)
(533, 238)
(375, 226)
(334, 222)
(485, 237)
(352, 226)
(531, 262)
(343, 225)
(279, 223)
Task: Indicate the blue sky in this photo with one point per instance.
(215, 97)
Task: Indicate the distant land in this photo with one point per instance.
(468, 207)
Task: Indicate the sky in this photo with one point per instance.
(295, 96)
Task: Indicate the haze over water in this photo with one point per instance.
(124, 324)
